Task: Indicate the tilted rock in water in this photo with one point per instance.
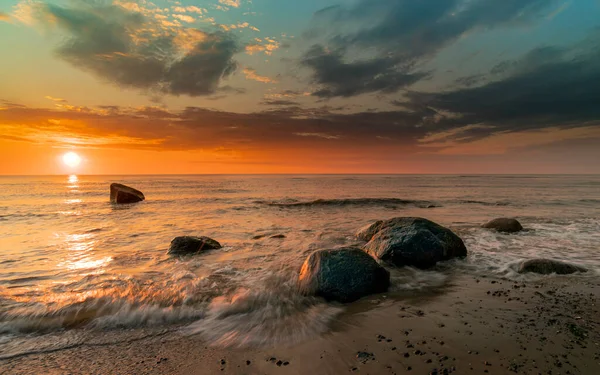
(548, 266)
(192, 245)
(343, 275)
(411, 241)
(124, 194)
(503, 224)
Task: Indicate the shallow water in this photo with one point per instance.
(69, 260)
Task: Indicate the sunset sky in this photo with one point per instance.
(311, 86)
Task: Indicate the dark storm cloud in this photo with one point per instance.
(280, 102)
(135, 50)
(339, 78)
(535, 93)
(401, 33)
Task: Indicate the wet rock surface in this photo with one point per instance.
(343, 275)
(505, 225)
(411, 241)
(192, 245)
(122, 194)
(548, 266)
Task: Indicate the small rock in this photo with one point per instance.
(548, 266)
(122, 194)
(192, 245)
(506, 225)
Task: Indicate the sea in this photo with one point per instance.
(73, 265)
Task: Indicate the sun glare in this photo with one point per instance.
(71, 159)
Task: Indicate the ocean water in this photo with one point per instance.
(70, 261)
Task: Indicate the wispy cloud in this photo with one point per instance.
(318, 135)
(184, 18)
(58, 100)
(239, 25)
(266, 45)
(252, 75)
(231, 3)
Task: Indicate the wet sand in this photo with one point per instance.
(472, 326)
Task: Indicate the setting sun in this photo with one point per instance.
(71, 159)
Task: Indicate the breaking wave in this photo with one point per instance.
(351, 202)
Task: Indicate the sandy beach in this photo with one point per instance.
(472, 325)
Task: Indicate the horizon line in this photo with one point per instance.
(299, 174)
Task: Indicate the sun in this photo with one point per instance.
(71, 159)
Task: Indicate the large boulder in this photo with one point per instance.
(548, 266)
(343, 275)
(411, 241)
(124, 194)
(503, 224)
(192, 245)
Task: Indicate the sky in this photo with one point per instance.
(312, 86)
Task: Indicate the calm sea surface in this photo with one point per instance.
(70, 260)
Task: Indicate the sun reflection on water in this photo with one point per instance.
(73, 183)
(80, 255)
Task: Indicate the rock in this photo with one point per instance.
(366, 233)
(506, 225)
(122, 194)
(411, 241)
(548, 266)
(343, 275)
(192, 245)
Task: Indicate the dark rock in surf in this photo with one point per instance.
(411, 241)
(506, 225)
(192, 245)
(122, 194)
(548, 266)
(343, 275)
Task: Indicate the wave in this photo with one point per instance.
(351, 202)
(101, 313)
(271, 313)
(483, 203)
(589, 200)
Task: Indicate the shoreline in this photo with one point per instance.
(473, 325)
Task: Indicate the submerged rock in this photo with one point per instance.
(548, 266)
(503, 224)
(411, 241)
(343, 275)
(122, 194)
(192, 245)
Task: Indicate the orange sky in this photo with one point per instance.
(219, 86)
